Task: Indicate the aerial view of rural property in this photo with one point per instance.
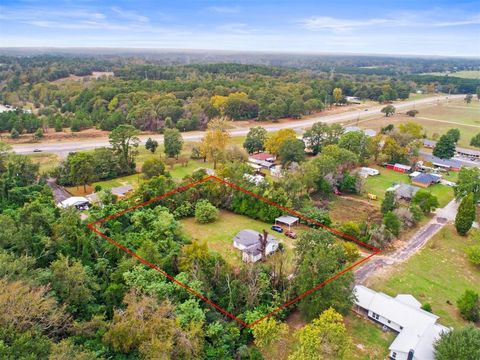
(239, 180)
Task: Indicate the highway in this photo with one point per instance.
(64, 147)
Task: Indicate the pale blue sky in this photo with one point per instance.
(420, 27)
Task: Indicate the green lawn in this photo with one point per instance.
(466, 74)
(219, 235)
(377, 185)
(369, 340)
(438, 273)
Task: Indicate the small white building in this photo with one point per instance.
(250, 243)
(254, 179)
(366, 172)
(417, 329)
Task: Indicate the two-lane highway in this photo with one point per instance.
(62, 148)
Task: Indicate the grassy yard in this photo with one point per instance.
(466, 74)
(341, 210)
(47, 161)
(438, 273)
(377, 185)
(219, 235)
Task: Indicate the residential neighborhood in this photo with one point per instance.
(250, 180)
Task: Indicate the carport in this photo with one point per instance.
(287, 220)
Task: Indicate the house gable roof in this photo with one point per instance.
(250, 237)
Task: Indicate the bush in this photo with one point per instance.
(389, 203)
(205, 212)
(465, 215)
(459, 344)
(351, 251)
(469, 305)
(473, 254)
(184, 210)
(14, 134)
(425, 201)
(427, 307)
(412, 113)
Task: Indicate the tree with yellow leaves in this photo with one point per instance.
(337, 95)
(275, 141)
(214, 144)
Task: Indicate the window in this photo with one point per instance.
(389, 321)
(401, 327)
(394, 355)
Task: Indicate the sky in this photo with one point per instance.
(421, 27)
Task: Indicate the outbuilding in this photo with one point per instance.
(79, 202)
(287, 220)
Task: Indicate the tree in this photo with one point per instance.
(469, 305)
(425, 201)
(173, 142)
(321, 134)
(466, 215)
(475, 140)
(468, 98)
(411, 128)
(388, 110)
(454, 134)
(458, 344)
(123, 139)
(267, 332)
(325, 338)
(275, 141)
(205, 212)
(255, 139)
(292, 150)
(213, 146)
(319, 257)
(153, 167)
(412, 113)
(337, 95)
(151, 145)
(82, 169)
(356, 142)
(389, 202)
(38, 134)
(392, 223)
(468, 182)
(445, 147)
(14, 134)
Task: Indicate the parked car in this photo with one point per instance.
(277, 228)
(291, 234)
(37, 150)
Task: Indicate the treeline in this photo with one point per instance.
(448, 83)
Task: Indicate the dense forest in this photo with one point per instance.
(153, 96)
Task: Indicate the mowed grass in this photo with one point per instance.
(46, 161)
(219, 235)
(437, 274)
(378, 184)
(369, 340)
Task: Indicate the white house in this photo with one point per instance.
(249, 242)
(79, 202)
(417, 329)
(366, 172)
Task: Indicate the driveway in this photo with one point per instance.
(442, 216)
(59, 193)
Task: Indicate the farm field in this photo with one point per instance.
(438, 273)
(466, 74)
(219, 235)
(377, 185)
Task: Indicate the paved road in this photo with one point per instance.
(414, 244)
(63, 148)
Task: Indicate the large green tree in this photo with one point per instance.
(124, 140)
(445, 147)
(322, 134)
(292, 150)
(466, 215)
(459, 344)
(255, 140)
(173, 142)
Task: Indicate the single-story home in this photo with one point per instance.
(417, 329)
(250, 243)
(425, 180)
(79, 202)
(429, 143)
(368, 132)
(287, 220)
(122, 191)
(404, 191)
(262, 156)
(447, 164)
(469, 153)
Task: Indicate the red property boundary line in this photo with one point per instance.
(92, 227)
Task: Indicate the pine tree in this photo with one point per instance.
(388, 203)
(465, 215)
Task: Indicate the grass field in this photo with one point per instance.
(341, 210)
(438, 273)
(466, 74)
(378, 184)
(219, 235)
(47, 161)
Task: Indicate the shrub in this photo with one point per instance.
(469, 305)
(473, 254)
(205, 212)
(392, 223)
(351, 251)
(412, 113)
(466, 215)
(14, 134)
(153, 167)
(427, 307)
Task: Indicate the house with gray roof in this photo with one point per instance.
(417, 329)
(404, 191)
(250, 243)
